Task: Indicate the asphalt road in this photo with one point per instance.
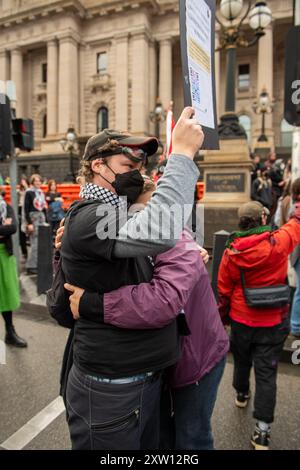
(29, 383)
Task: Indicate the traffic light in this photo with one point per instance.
(5, 127)
(23, 134)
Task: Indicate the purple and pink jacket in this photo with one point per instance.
(180, 282)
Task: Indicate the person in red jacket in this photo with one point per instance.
(257, 334)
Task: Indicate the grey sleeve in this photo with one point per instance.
(156, 228)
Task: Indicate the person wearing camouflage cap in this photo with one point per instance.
(125, 140)
(113, 388)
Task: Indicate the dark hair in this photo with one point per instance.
(296, 189)
(50, 183)
(246, 223)
(24, 177)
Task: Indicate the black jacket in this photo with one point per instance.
(276, 176)
(7, 231)
(29, 206)
(100, 348)
(261, 191)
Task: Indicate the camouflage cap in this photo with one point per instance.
(148, 144)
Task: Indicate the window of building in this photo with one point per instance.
(102, 119)
(35, 169)
(101, 62)
(245, 121)
(44, 127)
(44, 73)
(23, 170)
(244, 77)
(286, 134)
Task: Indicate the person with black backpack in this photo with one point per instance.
(113, 387)
(252, 290)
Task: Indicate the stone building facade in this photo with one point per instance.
(87, 64)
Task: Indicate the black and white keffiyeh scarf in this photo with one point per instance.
(93, 191)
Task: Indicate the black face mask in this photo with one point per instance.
(129, 184)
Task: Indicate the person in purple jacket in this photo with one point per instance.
(180, 288)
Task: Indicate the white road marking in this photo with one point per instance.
(34, 426)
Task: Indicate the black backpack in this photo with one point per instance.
(57, 297)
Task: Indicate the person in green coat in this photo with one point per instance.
(9, 283)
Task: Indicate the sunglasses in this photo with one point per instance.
(137, 154)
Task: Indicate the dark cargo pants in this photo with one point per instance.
(104, 416)
(260, 347)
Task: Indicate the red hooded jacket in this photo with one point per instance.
(264, 259)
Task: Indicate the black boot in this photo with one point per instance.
(13, 339)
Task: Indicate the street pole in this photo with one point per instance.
(230, 79)
(230, 126)
(71, 166)
(263, 137)
(13, 169)
(13, 172)
(157, 130)
(296, 133)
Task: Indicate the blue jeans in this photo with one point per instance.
(186, 413)
(295, 314)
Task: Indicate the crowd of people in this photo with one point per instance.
(271, 181)
(34, 209)
(148, 340)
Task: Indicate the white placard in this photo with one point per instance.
(198, 39)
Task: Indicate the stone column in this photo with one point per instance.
(52, 87)
(17, 78)
(217, 75)
(82, 49)
(68, 90)
(165, 72)
(153, 92)
(122, 81)
(165, 78)
(140, 90)
(4, 66)
(265, 72)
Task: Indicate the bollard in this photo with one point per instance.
(220, 239)
(45, 253)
